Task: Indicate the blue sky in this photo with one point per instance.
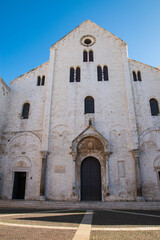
(29, 27)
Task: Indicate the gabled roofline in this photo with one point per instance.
(132, 60)
(5, 84)
(28, 72)
(85, 130)
(92, 23)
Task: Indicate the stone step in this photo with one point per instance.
(79, 205)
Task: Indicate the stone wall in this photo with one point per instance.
(22, 138)
(4, 92)
(112, 114)
(148, 126)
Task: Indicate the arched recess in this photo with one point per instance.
(90, 143)
(23, 135)
(156, 163)
(20, 168)
(21, 164)
(23, 155)
(150, 135)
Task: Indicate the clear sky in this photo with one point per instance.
(29, 27)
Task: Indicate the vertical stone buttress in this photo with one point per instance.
(135, 154)
(131, 118)
(43, 173)
(47, 120)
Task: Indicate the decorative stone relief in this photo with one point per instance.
(90, 143)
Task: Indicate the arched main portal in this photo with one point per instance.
(90, 147)
(91, 180)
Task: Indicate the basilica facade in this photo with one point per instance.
(84, 126)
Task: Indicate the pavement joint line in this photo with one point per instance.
(17, 214)
(37, 226)
(140, 214)
(84, 230)
(76, 228)
(50, 214)
(127, 229)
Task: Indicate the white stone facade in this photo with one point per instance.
(50, 146)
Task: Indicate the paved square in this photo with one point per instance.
(28, 224)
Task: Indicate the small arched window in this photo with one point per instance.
(90, 56)
(89, 105)
(38, 81)
(85, 57)
(154, 107)
(134, 76)
(139, 76)
(99, 73)
(105, 73)
(78, 74)
(43, 80)
(71, 74)
(25, 110)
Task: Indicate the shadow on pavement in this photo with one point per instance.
(102, 218)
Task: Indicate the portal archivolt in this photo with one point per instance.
(90, 149)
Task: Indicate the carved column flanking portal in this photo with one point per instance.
(75, 177)
(107, 173)
(135, 154)
(43, 173)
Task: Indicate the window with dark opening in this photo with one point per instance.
(89, 105)
(154, 107)
(78, 74)
(38, 81)
(85, 57)
(43, 80)
(105, 73)
(99, 73)
(139, 76)
(87, 41)
(134, 76)
(25, 110)
(90, 56)
(159, 176)
(71, 74)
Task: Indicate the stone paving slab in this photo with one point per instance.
(125, 235)
(64, 224)
(17, 233)
(83, 232)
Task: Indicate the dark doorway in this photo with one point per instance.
(91, 180)
(19, 185)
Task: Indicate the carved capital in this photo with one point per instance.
(107, 154)
(74, 154)
(135, 153)
(44, 154)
